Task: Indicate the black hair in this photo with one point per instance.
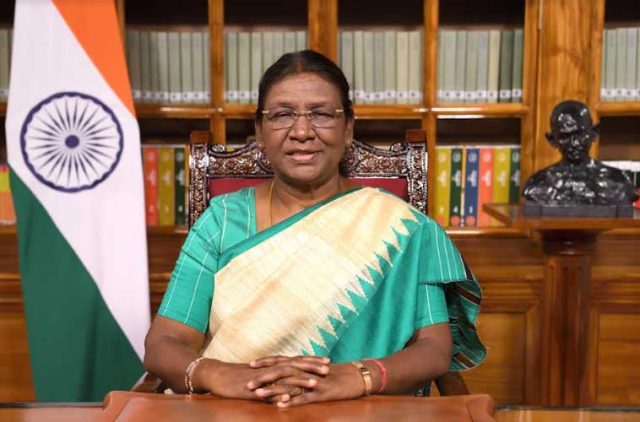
(305, 61)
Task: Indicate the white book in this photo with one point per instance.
(483, 67)
(145, 66)
(471, 67)
(244, 67)
(621, 64)
(358, 67)
(301, 40)
(402, 67)
(368, 87)
(390, 60)
(449, 66)
(175, 88)
(197, 70)
(460, 69)
(154, 59)
(415, 67)
(256, 64)
(289, 41)
(267, 50)
(346, 57)
(206, 54)
(610, 74)
(186, 68)
(637, 56)
(493, 73)
(630, 73)
(133, 63)
(163, 66)
(231, 66)
(440, 65)
(278, 45)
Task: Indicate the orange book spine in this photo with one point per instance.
(150, 160)
(485, 185)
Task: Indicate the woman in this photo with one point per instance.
(309, 288)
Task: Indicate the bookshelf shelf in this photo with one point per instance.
(239, 111)
(166, 230)
(174, 111)
(473, 232)
(480, 110)
(409, 111)
(8, 230)
(627, 108)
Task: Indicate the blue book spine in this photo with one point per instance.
(471, 187)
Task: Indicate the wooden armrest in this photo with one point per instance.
(148, 383)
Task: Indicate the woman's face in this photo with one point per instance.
(304, 154)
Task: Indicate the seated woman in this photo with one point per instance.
(309, 288)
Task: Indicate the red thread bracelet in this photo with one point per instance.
(383, 374)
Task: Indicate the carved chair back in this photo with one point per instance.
(403, 169)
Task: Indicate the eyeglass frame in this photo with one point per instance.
(307, 114)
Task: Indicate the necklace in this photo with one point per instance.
(270, 202)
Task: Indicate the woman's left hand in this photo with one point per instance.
(342, 382)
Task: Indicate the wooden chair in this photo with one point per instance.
(403, 169)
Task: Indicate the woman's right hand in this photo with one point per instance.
(249, 381)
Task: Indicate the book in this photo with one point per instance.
(378, 67)
(390, 60)
(166, 186)
(402, 67)
(358, 67)
(145, 66)
(267, 50)
(485, 185)
(610, 70)
(368, 87)
(133, 63)
(179, 183)
(186, 68)
(440, 63)
(206, 55)
(244, 67)
(256, 64)
(150, 165)
(301, 40)
(163, 66)
(506, 66)
(415, 67)
(460, 67)
(630, 88)
(154, 67)
(7, 210)
(449, 59)
(455, 188)
(514, 175)
(175, 81)
(516, 78)
(289, 41)
(493, 73)
(470, 211)
(482, 67)
(346, 57)
(501, 164)
(442, 196)
(471, 67)
(231, 67)
(278, 45)
(621, 65)
(197, 67)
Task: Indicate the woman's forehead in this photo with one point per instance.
(303, 88)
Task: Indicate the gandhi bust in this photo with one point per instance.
(578, 180)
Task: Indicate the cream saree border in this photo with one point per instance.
(293, 288)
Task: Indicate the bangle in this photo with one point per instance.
(189, 373)
(366, 376)
(383, 374)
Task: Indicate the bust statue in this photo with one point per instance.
(577, 185)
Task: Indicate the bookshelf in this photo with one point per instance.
(562, 47)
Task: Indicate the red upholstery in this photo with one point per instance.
(226, 185)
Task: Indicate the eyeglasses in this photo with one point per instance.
(285, 118)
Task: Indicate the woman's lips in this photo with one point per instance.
(302, 156)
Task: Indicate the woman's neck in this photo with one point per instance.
(292, 198)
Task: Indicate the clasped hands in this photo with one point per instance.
(284, 381)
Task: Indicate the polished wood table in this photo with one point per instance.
(567, 378)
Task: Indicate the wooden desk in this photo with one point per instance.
(568, 376)
(49, 412)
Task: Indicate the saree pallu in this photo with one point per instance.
(349, 278)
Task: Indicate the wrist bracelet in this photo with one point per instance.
(189, 373)
(366, 376)
(383, 375)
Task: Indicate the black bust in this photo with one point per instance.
(577, 185)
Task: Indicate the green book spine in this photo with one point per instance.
(244, 67)
(378, 67)
(516, 79)
(506, 65)
(632, 47)
(133, 62)
(145, 66)
(256, 64)
(471, 67)
(415, 67)
(197, 69)
(402, 67)
(358, 67)
(621, 65)
(166, 186)
(301, 40)
(154, 67)
(179, 183)
(368, 67)
(514, 175)
(163, 66)
(289, 41)
(346, 57)
(449, 63)
(390, 60)
(443, 185)
(460, 69)
(175, 84)
(493, 74)
(231, 65)
(610, 73)
(483, 66)
(455, 188)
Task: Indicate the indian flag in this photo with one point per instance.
(76, 175)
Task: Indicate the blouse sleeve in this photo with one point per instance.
(190, 290)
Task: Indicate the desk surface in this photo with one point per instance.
(84, 413)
